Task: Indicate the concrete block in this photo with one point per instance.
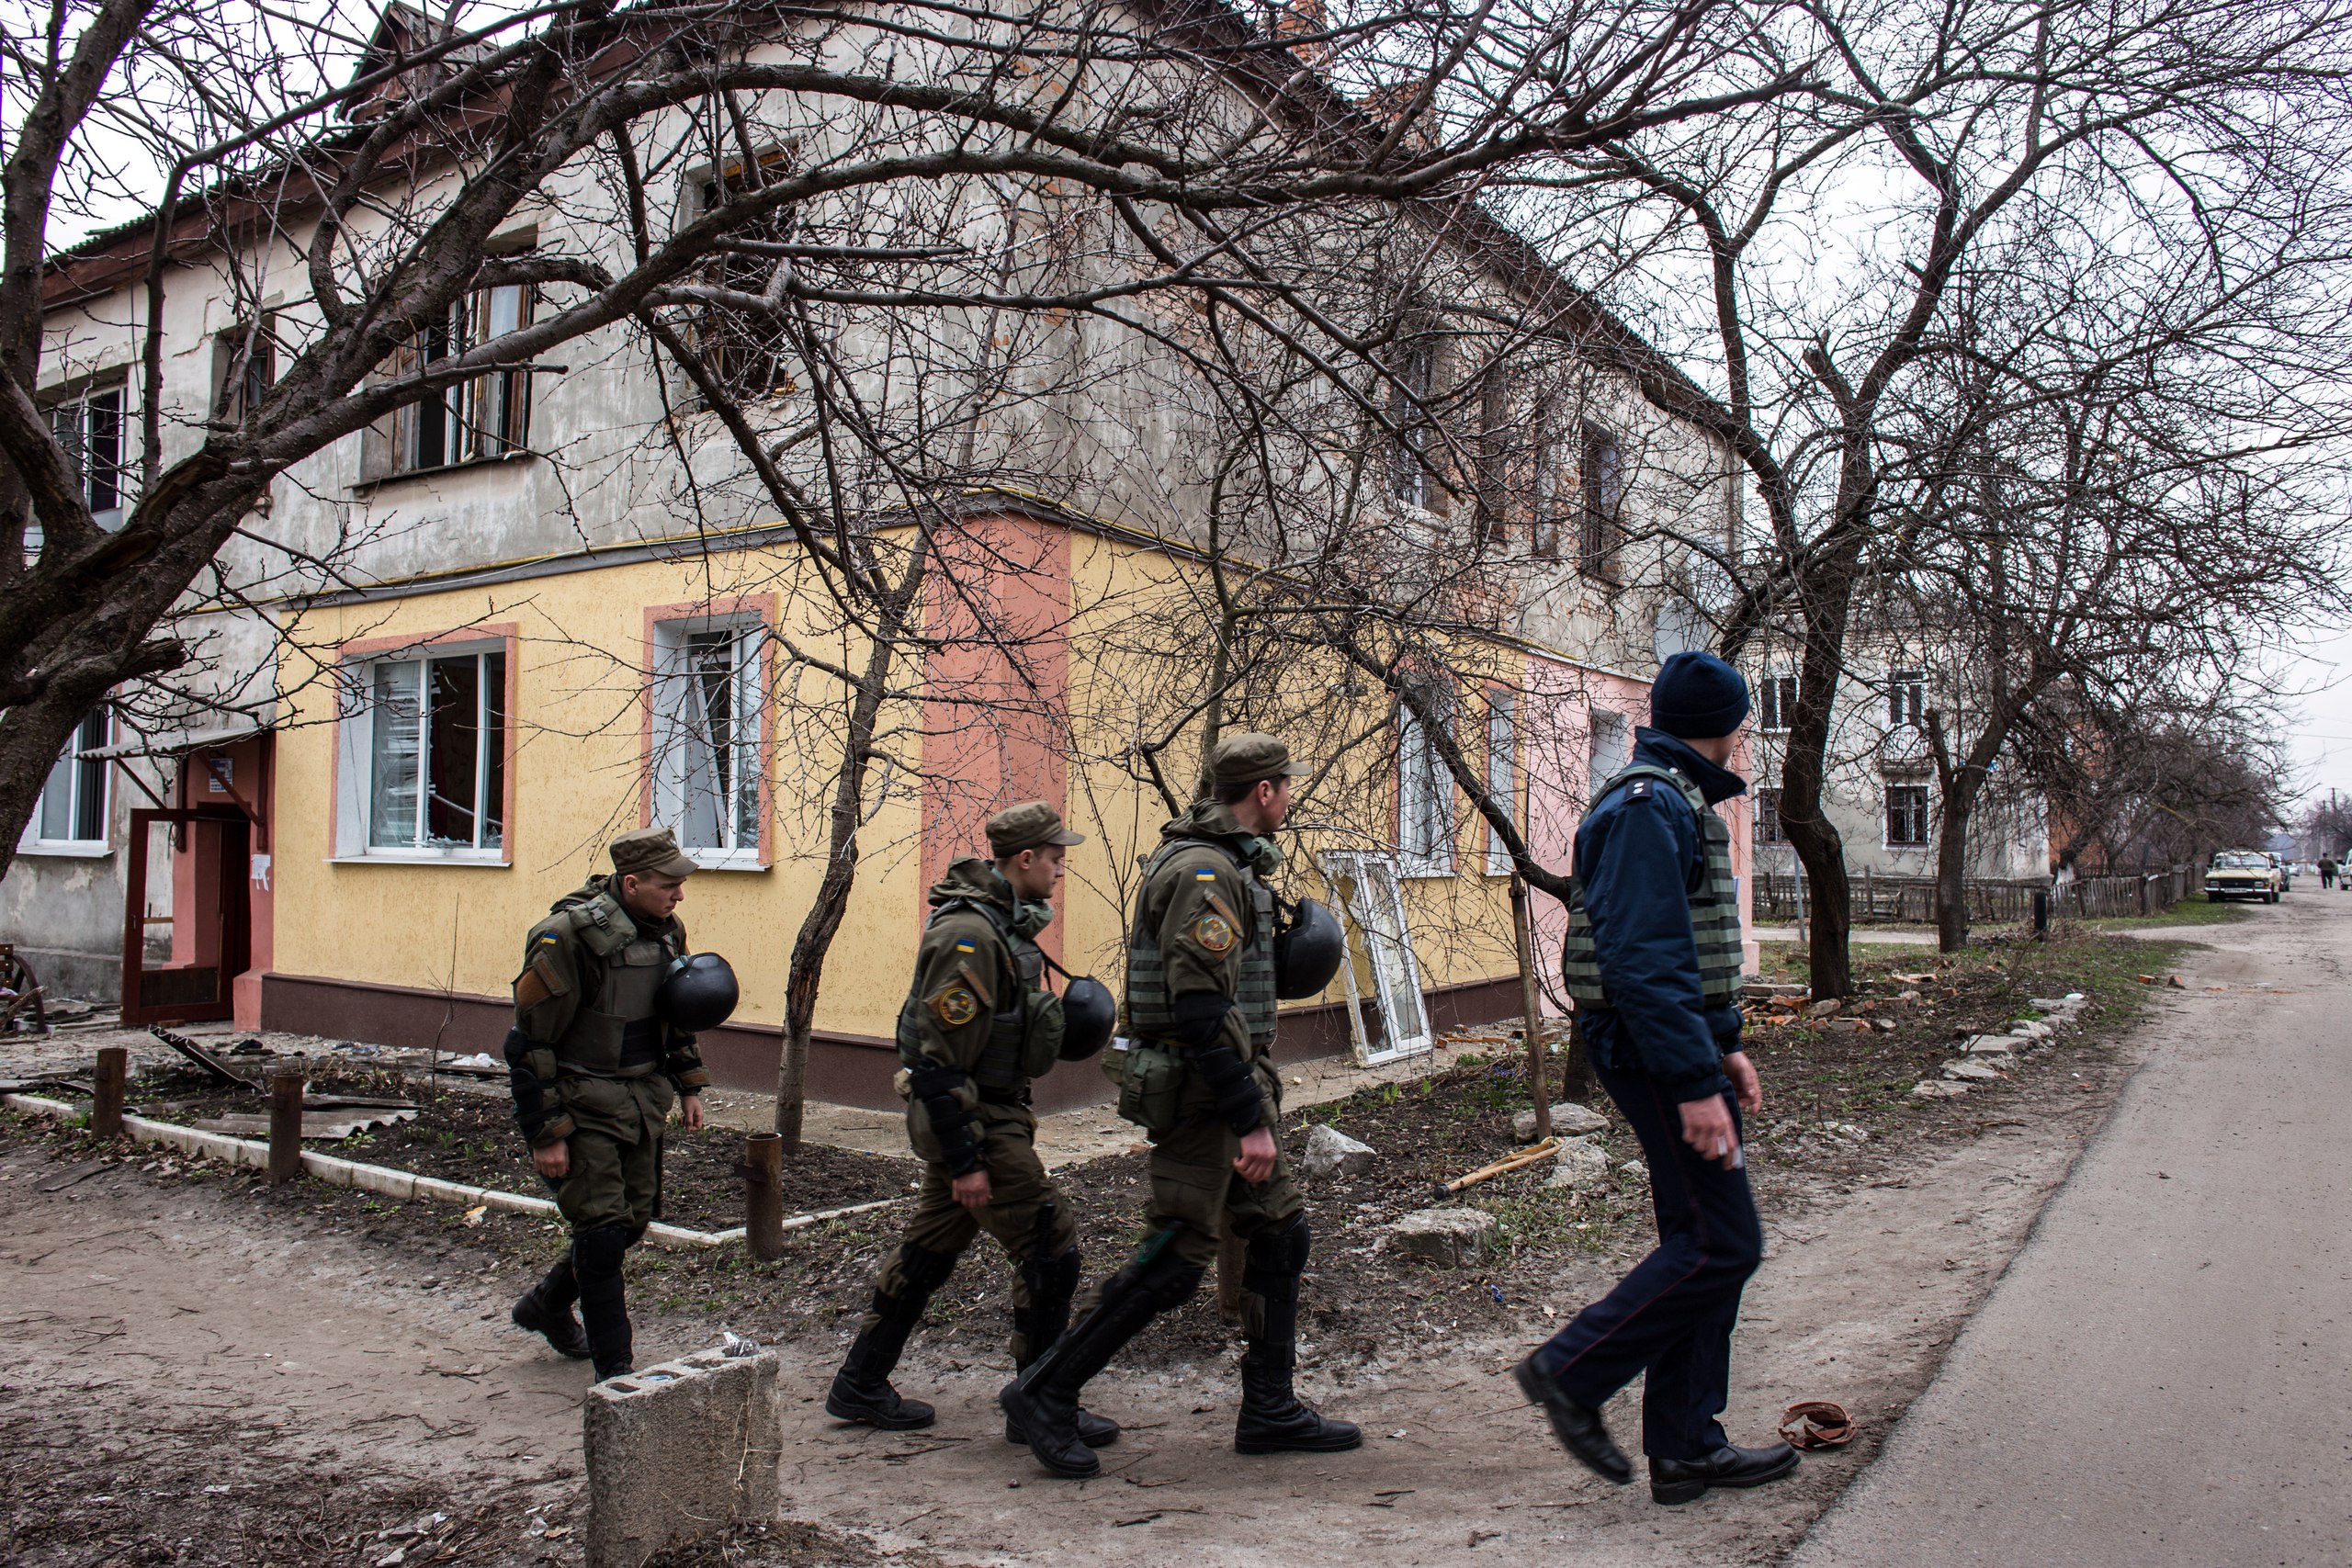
(516, 1202)
(1580, 1164)
(1446, 1237)
(1330, 1152)
(1991, 1044)
(678, 1451)
(1570, 1119)
(1977, 1071)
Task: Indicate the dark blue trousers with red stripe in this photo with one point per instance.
(1673, 1316)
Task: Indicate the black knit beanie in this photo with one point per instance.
(1697, 696)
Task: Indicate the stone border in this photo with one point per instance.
(402, 1184)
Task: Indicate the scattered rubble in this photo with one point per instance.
(1570, 1119)
(1449, 1238)
(1979, 1072)
(1578, 1164)
(1331, 1151)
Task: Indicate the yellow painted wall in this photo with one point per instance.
(579, 652)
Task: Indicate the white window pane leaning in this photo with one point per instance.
(1502, 772)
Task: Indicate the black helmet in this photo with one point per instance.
(1088, 1016)
(1307, 951)
(698, 993)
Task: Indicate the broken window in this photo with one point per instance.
(435, 753)
(707, 706)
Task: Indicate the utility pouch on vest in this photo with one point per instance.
(1041, 1038)
(1150, 1080)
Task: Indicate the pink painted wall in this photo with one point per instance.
(998, 686)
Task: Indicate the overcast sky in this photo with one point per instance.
(2319, 728)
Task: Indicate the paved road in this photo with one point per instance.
(2165, 1373)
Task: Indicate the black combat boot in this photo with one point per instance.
(1272, 1419)
(603, 1308)
(862, 1390)
(1052, 1283)
(546, 1308)
(1042, 1403)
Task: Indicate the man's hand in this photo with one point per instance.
(1706, 1127)
(972, 1189)
(1744, 1081)
(690, 1111)
(1256, 1160)
(553, 1160)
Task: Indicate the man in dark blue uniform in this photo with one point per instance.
(1653, 960)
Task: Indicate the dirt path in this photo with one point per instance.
(316, 1355)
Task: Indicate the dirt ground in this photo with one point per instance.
(342, 1365)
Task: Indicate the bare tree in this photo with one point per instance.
(381, 166)
(1825, 232)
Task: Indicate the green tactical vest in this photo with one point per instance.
(1025, 1038)
(1148, 1002)
(1715, 909)
(616, 1032)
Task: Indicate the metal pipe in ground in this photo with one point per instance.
(105, 1104)
(763, 1195)
(284, 1127)
(1523, 931)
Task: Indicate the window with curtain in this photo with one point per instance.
(1502, 772)
(435, 753)
(1424, 799)
(73, 805)
(707, 734)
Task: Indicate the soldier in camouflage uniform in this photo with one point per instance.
(1200, 989)
(594, 1074)
(977, 1026)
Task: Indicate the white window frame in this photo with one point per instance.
(1502, 771)
(1618, 731)
(1425, 824)
(1927, 814)
(78, 770)
(678, 727)
(356, 752)
(1412, 384)
(1374, 906)
(1779, 704)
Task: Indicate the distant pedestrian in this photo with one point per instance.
(2327, 871)
(1653, 960)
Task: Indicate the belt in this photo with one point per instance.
(1004, 1096)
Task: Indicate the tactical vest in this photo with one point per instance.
(616, 1032)
(1148, 1003)
(1715, 909)
(1018, 1048)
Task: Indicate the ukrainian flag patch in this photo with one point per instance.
(963, 947)
(1205, 875)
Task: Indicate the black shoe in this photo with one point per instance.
(1687, 1480)
(878, 1405)
(1095, 1431)
(1041, 1403)
(1274, 1420)
(1578, 1427)
(537, 1315)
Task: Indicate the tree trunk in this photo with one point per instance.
(1952, 860)
(1819, 847)
(824, 921)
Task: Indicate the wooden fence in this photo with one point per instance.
(1897, 900)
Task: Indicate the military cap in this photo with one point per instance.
(1031, 824)
(650, 851)
(1244, 757)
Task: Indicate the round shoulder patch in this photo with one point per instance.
(1214, 934)
(955, 1006)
